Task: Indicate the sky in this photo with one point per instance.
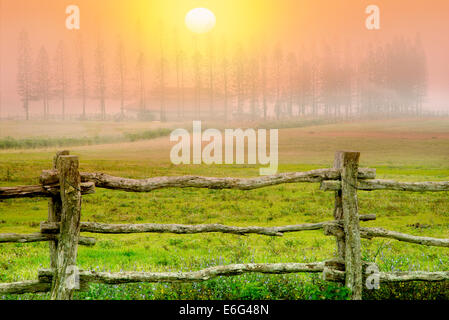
(256, 24)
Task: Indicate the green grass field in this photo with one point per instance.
(404, 150)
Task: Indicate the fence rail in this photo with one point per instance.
(371, 185)
(65, 185)
(39, 237)
(95, 227)
(334, 270)
(201, 275)
(103, 180)
(48, 191)
(369, 233)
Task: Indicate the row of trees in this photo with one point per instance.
(215, 80)
(44, 79)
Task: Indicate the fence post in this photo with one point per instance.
(66, 251)
(349, 162)
(54, 210)
(338, 209)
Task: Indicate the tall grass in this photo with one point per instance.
(33, 143)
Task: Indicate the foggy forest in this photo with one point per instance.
(219, 80)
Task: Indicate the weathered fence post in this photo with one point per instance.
(66, 251)
(338, 209)
(349, 162)
(54, 210)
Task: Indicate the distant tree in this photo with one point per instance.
(405, 82)
(140, 74)
(420, 69)
(254, 86)
(364, 82)
(239, 78)
(41, 85)
(347, 81)
(379, 82)
(181, 85)
(100, 72)
(278, 78)
(179, 66)
(211, 67)
(358, 76)
(61, 78)
(329, 78)
(197, 66)
(316, 82)
(140, 66)
(292, 82)
(24, 72)
(120, 69)
(82, 90)
(305, 84)
(264, 89)
(225, 76)
(162, 65)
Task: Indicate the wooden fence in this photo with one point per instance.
(64, 185)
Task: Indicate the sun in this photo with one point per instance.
(200, 20)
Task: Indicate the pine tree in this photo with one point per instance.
(179, 66)
(140, 70)
(292, 80)
(140, 74)
(41, 86)
(100, 71)
(61, 76)
(278, 79)
(82, 77)
(211, 67)
(197, 64)
(264, 88)
(239, 78)
(121, 76)
(24, 72)
(225, 75)
(162, 66)
(254, 86)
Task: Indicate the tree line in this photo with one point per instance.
(219, 80)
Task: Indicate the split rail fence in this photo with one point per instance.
(64, 185)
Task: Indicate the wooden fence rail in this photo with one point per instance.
(45, 275)
(370, 185)
(102, 180)
(95, 227)
(369, 233)
(335, 275)
(38, 237)
(64, 185)
(48, 191)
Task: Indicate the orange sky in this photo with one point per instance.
(255, 23)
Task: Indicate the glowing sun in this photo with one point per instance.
(200, 20)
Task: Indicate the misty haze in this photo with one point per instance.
(224, 150)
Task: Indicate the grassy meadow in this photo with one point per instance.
(404, 150)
